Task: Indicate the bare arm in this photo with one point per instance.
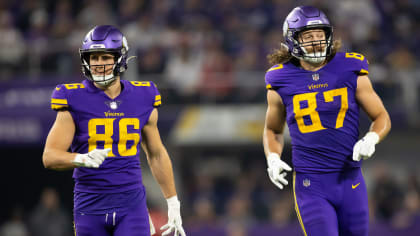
(274, 124)
(372, 104)
(59, 139)
(158, 157)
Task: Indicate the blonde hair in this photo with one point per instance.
(282, 54)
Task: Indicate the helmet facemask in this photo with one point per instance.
(105, 78)
(100, 73)
(315, 51)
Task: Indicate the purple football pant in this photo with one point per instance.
(134, 222)
(332, 204)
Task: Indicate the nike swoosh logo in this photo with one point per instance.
(354, 186)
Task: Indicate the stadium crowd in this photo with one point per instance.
(214, 51)
(203, 51)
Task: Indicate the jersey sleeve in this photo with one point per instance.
(270, 76)
(157, 101)
(59, 98)
(149, 91)
(359, 63)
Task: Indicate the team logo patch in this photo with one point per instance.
(315, 77)
(306, 183)
(113, 104)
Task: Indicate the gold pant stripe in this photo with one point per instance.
(74, 228)
(296, 205)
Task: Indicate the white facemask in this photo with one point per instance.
(314, 57)
(101, 79)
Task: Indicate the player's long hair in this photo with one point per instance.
(282, 54)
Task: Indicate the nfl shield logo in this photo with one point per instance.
(113, 104)
(306, 182)
(315, 77)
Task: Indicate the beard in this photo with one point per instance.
(315, 54)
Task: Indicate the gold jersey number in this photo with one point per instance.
(106, 136)
(311, 111)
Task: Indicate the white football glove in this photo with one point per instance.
(174, 218)
(93, 159)
(276, 170)
(365, 147)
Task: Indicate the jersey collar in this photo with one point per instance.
(125, 86)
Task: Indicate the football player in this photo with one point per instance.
(103, 121)
(318, 91)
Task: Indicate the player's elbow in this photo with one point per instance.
(388, 120)
(156, 151)
(270, 132)
(155, 157)
(47, 159)
(158, 156)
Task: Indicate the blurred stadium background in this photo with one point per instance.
(208, 59)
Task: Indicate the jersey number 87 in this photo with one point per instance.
(310, 110)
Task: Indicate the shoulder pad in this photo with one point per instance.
(270, 73)
(151, 90)
(356, 62)
(59, 98)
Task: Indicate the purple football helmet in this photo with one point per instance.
(304, 18)
(107, 39)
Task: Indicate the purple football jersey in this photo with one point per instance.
(101, 123)
(321, 111)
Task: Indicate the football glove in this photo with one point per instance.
(276, 170)
(93, 159)
(174, 218)
(365, 147)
